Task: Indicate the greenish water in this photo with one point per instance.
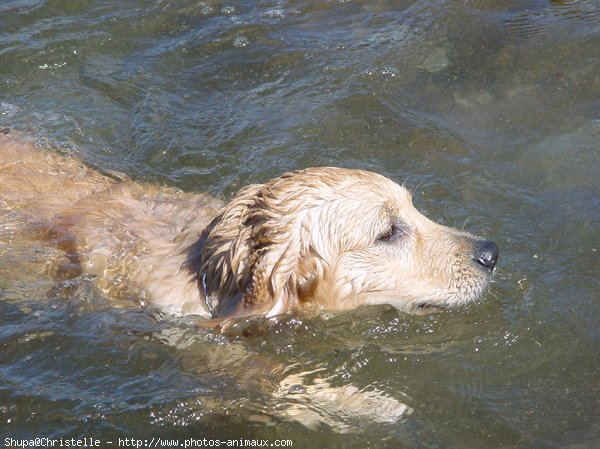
(489, 110)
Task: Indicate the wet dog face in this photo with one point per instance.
(400, 257)
(331, 238)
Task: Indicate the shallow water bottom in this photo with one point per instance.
(488, 111)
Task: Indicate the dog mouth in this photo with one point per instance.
(425, 308)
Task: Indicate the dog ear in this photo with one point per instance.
(254, 256)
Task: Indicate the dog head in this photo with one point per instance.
(333, 238)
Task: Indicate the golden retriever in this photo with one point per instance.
(315, 239)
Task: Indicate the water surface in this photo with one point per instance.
(488, 110)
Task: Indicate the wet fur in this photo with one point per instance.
(311, 239)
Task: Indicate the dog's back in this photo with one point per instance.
(132, 237)
(41, 184)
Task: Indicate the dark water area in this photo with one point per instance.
(488, 110)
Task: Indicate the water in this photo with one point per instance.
(489, 110)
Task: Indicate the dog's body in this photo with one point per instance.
(322, 238)
(133, 239)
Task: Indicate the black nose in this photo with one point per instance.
(486, 254)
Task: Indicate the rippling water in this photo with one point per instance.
(489, 110)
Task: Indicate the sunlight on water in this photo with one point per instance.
(488, 111)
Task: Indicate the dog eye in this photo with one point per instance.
(390, 234)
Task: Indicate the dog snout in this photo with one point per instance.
(486, 254)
